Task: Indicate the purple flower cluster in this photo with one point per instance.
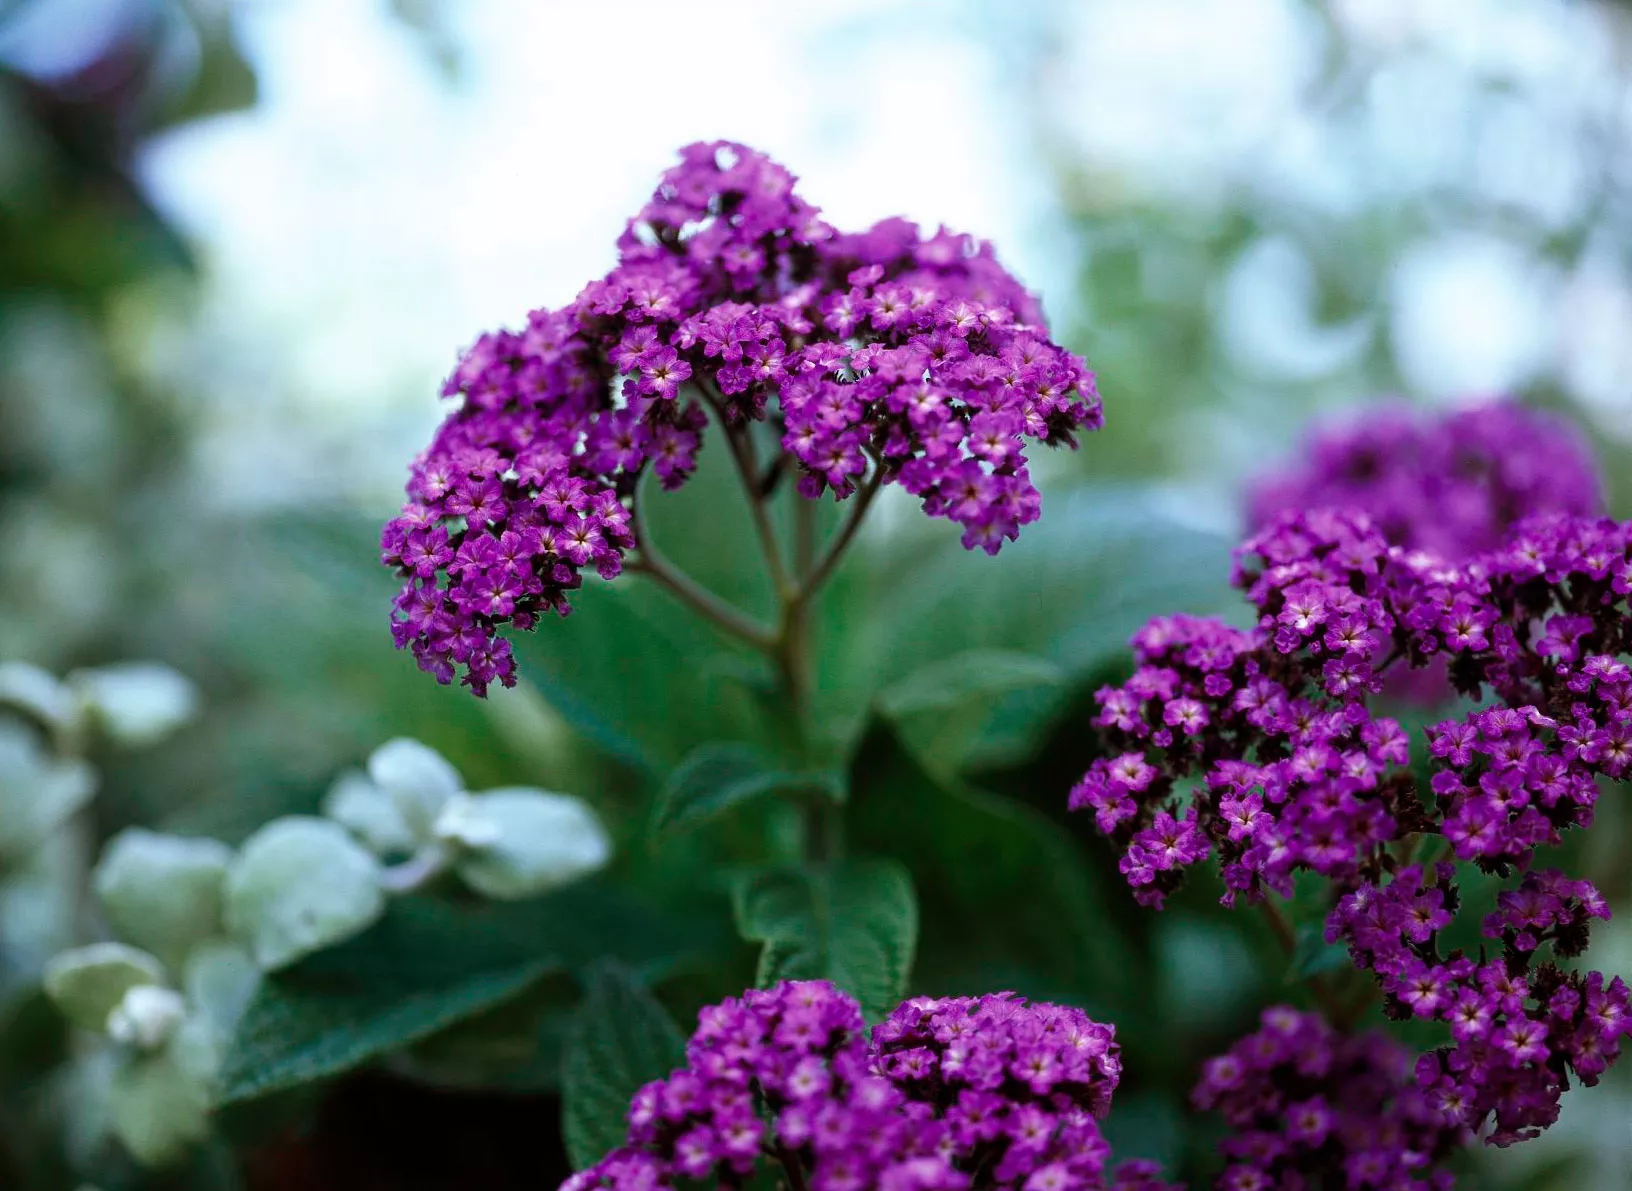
(1289, 769)
(1449, 483)
(1260, 746)
(881, 356)
(948, 1095)
(1306, 1102)
(1519, 1027)
(1291, 777)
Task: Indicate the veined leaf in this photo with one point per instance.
(855, 924)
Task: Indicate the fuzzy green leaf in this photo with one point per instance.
(855, 924)
(1008, 901)
(621, 1040)
(426, 965)
(717, 777)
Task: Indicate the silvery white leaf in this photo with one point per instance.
(137, 703)
(220, 980)
(38, 790)
(463, 823)
(39, 693)
(369, 813)
(544, 840)
(300, 884)
(88, 983)
(160, 1102)
(162, 892)
(417, 778)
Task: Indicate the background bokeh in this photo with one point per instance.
(241, 242)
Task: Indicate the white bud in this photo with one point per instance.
(463, 824)
(540, 840)
(418, 780)
(147, 1017)
(298, 885)
(138, 703)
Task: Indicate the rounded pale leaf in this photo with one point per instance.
(417, 778)
(221, 979)
(160, 1103)
(462, 823)
(38, 790)
(298, 885)
(38, 693)
(88, 983)
(137, 703)
(369, 813)
(544, 840)
(162, 892)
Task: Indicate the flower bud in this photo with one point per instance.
(146, 1017)
(160, 1102)
(462, 824)
(38, 693)
(38, 790)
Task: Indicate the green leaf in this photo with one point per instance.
(426, 965)
(945, 684)
(1008, 901)
(946, 708)
(621, 1040)
(1070, 591)
(855, 924)
(717, 777)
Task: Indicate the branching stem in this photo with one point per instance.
(652, 563)
(811, 583)
(787, 646)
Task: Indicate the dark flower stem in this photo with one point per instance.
(788, 645)
(790, 1165)
(740, 439)
(1336, 1012)
(818, 574)
(652, 563)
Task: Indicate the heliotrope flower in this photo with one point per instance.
(1451, 482)
(1260, 747)
(947, 1095)
(1309, 1106)
(1520, 1025)
(885, 356)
